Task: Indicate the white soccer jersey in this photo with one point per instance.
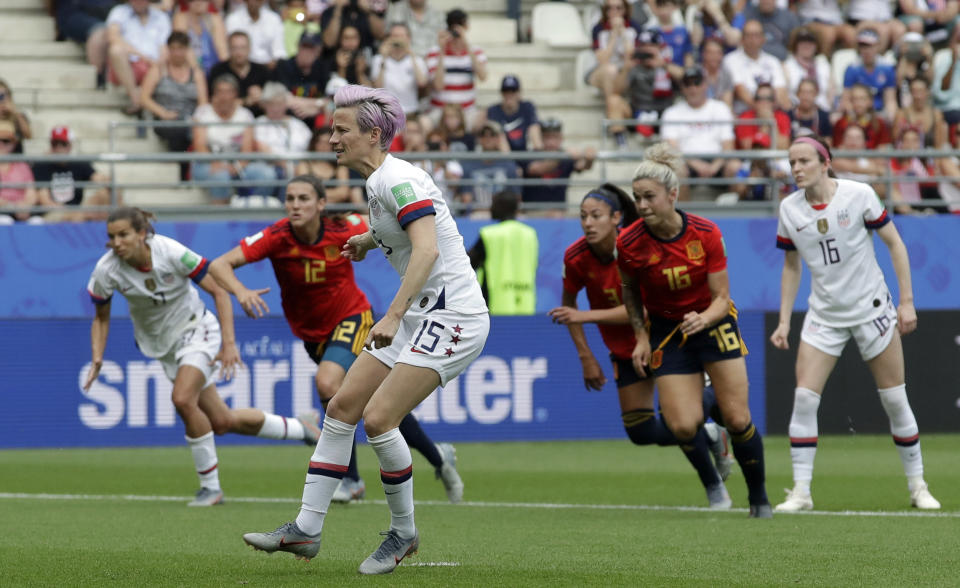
(400, 193)
(163, 303)
(847, 286)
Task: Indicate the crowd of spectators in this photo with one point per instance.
(709, 76)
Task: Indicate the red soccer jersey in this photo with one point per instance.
(582, 268)
(672, 274)
(316, 284)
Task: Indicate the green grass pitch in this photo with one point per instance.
(602, 513)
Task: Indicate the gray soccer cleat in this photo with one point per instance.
(207, 497)
(349, 490)
(718, 497)
(761, 511)
(390, 553)
(717, 439)
(311, 432)
(287, 537)
(447, 472)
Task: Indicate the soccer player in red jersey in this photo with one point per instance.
(674, 264)
(591, 263)
(323, 306)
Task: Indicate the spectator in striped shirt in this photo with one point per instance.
(453, 64)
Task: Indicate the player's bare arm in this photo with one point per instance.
(694, 322)
(906, 312)
(222, 271)
(423, 238)
(356, 247)
(789, 283)
(229, 355)
(633, 302)
(593, 378)
(99, 330)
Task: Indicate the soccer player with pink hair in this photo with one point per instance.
(435, 326)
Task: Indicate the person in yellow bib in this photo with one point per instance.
(505, 257)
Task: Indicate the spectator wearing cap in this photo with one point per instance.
(264, 28)
(423, 22)
(807, 118)
(554, 169)
(485, 177)
(876, 15)
(250, 76)
(613, 37)
(354, 13)
(305, 76)
(58, 180)
(398, 69)
(517, 117)
(934, 19)
(677, 46)
(806, 61)
(700, 125)
(826, 20)
(453, 65)
(136, 34)
(172, 90)
(751, 66)
(646, 80)
(84, 21)
(277, 132)
(880, 78)
(777, 24)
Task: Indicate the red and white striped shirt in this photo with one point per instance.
(458, 75)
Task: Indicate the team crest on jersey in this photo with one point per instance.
(695, 250)
(294, 251)
(656, 359)
(375, 208)
(654, 259)
(843, 218)
(150, 284)
(331, 252)
(822, 226)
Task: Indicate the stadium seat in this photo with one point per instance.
(586, 60)
(558, 25)
(591, 16)
(839, 62)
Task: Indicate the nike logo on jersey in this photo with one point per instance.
(124, 290)
(802, 227)
(512, 125)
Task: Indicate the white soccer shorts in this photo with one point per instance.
(442, 340)
(872, 337)
(196, 347)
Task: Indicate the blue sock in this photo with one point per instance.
(644, 428)
(415, 437)
(748, 449)
(698, 454)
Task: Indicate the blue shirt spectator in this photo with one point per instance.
(881, 78)
(517, 117)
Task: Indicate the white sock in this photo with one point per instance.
(327, 466)
(903, 426)
(396, 473)
(803, 436)
(280, 427)
(204, 452)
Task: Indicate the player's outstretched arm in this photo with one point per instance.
(789, 283)
(593, 378)
(906, 312)
(229, 355)
(99, 330)
(222, 271)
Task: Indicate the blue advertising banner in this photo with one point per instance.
(527, 385)
(44, 269)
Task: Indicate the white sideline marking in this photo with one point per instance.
(431, 564)
(477, 504)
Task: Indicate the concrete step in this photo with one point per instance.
(40, 49)
(26, 26)
(150, 144)
(112, 99)
(153, 171)
(21, 73)
(89, 124)
(488, 31)
(531, 52)
(534, 76)
(155, 200)
(545, 99)
(474, 8)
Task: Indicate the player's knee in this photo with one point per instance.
(685, 430)
(378, 422)
(221, 424)
(183, 400)
(737, 420)
(326, 387)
